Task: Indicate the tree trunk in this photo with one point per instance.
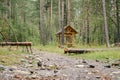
(117, 21)
(41, 23)
(62, 41)
(88, 25)
(9, 17)
(51, 21)
(105, 24)
(59, 14)
(68, 12)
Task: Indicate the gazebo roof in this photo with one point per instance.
(65, 28)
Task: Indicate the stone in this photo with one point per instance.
(30, 62)
(107, 66)
(17, 76)
(2, 67)
(23, 60)
(116, 72)
(42, 68)
(31, 72)
(12, 68)
(97, 60)
(29, 65)
(79, 66)
(39, 63)
(91, 66)
(117, 63)
(22, 72)
(55, 71)
(84, 61)
(98, 77)
(3, 61)
(34, 77)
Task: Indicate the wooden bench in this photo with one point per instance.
(27, 44)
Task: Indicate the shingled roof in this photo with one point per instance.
(65, 28)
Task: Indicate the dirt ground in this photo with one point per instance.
(52, 66)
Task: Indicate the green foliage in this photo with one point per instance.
(24, 20)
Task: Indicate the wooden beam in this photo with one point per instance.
(16, 43)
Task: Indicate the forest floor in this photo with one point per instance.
(59, 67)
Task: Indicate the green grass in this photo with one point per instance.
(98, 55)
(50, 48)
(10, 56)
(101, 55)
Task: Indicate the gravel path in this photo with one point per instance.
(52, 66)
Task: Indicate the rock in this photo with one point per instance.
(3, 61)
(116, 72)
(22, 72)
(98, 77)
(79, 66)
(12, 68)
(34, 77)
(38, 59)
(116, 63)
(107, 66)
(91, 66)
(18, 77)
(55, 71)
(29, 65)
(31, 72)
(42, 68)
(97, 60)
(30, 62)
(48, 59)
(2, 67)
(84, 61)
(23, 60)
(39, 63)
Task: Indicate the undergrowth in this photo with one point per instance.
(9, 56)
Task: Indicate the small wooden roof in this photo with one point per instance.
(65, 28)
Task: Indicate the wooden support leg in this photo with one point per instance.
(27, 48)
(31, 49)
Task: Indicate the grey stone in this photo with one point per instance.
(79, 66)
(2, 67)
(22, 72)
(91, 66)
(23, 60)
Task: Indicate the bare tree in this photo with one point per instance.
(68, 12)
(41, 23)
(51, 21)
(117, 21)
(62, 41)
(105, 24)
(59, 14)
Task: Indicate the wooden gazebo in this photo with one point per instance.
(69, 36)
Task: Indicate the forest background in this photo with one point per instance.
(38, 21)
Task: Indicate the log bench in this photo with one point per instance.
(72, 50)
(81, 51)
(27, 44)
